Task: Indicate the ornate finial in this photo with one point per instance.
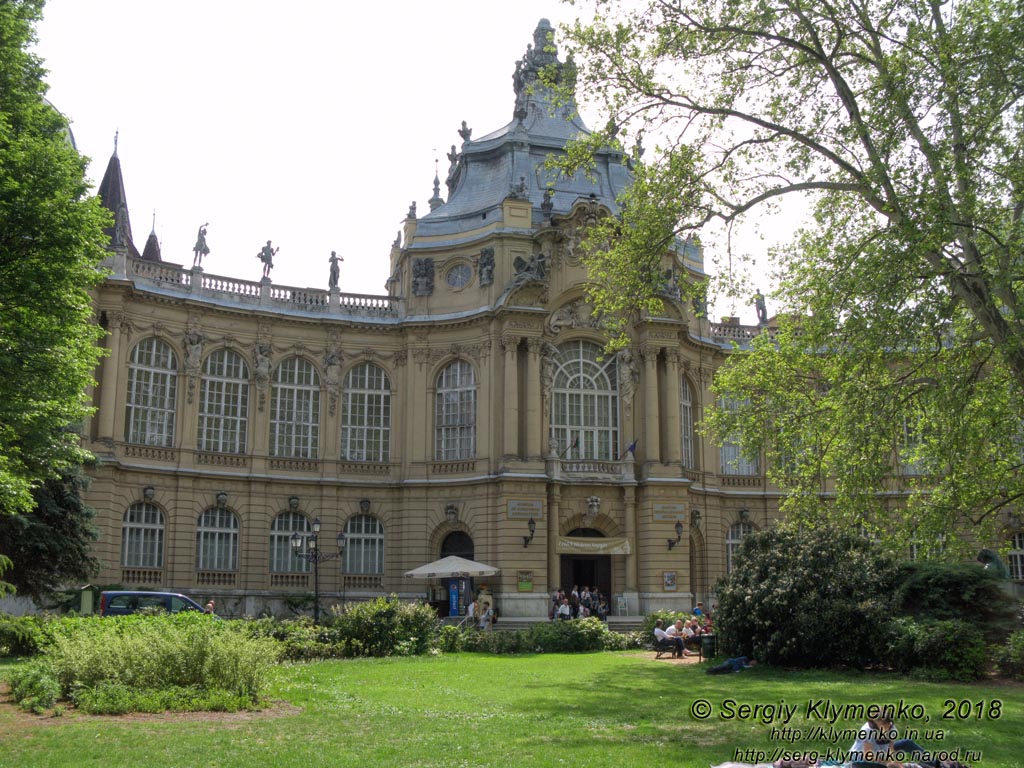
(465, 131)
(116, 133)
(154, 221)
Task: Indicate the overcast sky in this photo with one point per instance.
(314, 124)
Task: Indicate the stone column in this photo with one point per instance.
(510, 443)
(672, 415)
(554, 569)
(630, 529)
(652, 432)
(109, 384)
(534, 399)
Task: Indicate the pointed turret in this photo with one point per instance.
(152, 250)
(113, 197)
(436, 201)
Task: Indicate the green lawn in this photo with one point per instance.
(548, 710)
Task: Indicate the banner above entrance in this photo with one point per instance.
(567, 545)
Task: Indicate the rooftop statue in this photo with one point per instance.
(266, 255)
(200, 249)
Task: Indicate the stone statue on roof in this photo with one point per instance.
(266, 255)
(200, 249)
(332, 281)
(465, 131)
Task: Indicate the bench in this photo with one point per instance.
(663, 646)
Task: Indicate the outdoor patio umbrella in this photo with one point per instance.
(451, 567)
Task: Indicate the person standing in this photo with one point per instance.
(486, 617)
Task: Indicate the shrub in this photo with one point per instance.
(940, 650)
(386, 627)
(35, 687)
(939, 591)
(95, 658)
(1010, 656)
(20, 635)
(805, 598)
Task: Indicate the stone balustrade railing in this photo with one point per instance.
(194, 283)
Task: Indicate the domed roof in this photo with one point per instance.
(511, 161)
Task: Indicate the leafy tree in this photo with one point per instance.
(808, 598)
(902, 334)
(49, 546)
(51, 243)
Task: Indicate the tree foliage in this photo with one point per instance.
(806, 598)
(49, 546)
(902, 338)
(51, 242)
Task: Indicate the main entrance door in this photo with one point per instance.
(586, 570)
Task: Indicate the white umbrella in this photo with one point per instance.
(450, 567)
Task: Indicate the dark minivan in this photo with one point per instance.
(124, 603)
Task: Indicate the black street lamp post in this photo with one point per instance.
(315, 555)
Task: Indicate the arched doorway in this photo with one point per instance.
(589, 570)
(459, 544)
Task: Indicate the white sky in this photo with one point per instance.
(313, 123)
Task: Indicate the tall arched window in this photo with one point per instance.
(364, 545)
(686, 426)
(152, 394)
(282, 555)
(366, 414)
(458, 544)
(584, 402)
(1016, 557)
(737, 532)
(142, 537)
(731, 457)
(224, 403)
(295, 410)
(217, 541)
(455, 413)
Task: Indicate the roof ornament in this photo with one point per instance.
(465, 131)
(117, 132)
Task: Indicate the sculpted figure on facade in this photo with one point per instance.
(422, 277)
(200, 249)
(548, 366)
(530, 270)
(628, 375)
(486, 266)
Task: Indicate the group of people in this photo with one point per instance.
(680, 635)
(578, 604)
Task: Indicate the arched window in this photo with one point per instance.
(366, 414)
(737, 533)
(224, 403)
(364, 545)
(732, 459)
(152, 394)
(458, 544)
(282, 555)
(142, 537)
(455, 413)
(1016, 557)
(686, 426)
(295, 410)
(584, 402)
(217, 541)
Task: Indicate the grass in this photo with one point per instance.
(596, 710)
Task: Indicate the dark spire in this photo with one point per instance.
(112, 195)
(152, 250)
(436, 201)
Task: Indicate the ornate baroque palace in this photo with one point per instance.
(471, 411)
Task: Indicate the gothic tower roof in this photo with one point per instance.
(114, 199)
(511, 160)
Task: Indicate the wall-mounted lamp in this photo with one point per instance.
(451, 514)
(532, 525)
(679, 536)
(148, 492)
(293, 503)
(744, 515)
(695, 519)
(222, 500)
(364, 505)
